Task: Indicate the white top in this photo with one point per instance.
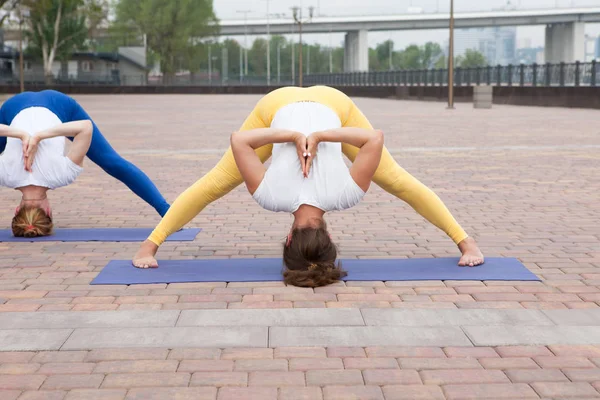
(51, 168)
(329, 185)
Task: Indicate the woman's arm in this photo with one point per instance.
(368, 141)
(80, 131)
(244, 144)
(8, 131)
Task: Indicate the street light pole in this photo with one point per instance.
(308, 60)
(330, 57)
(278, 63)
(451, 59)
(21, 67)
(246, 43)
(391, 50)
(293, 58)
(245, 12)
(209, 66)
(297, 13)
(268, 48)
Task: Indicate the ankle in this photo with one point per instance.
(466, 243)
(148, 247)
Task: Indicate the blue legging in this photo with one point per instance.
(100, 151)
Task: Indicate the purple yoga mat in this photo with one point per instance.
(121, 272)
(101, 235)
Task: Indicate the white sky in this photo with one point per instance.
(226, 9)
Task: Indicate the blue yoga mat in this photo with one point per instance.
(121, 272)
(101, 235)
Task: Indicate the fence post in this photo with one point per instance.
(548, 74)
(488, 78)
(458, 76)
(522, 75)
(534, 77)
(562, 74)
(593, 77)
(478, 75)
(499, 75)
(577, 71)
(510, 74)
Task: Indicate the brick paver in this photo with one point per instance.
(522, 180)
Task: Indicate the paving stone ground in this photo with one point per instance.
(524, 181)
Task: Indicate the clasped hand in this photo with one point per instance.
(306, 148)
(30, 148)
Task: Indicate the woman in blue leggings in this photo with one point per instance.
(100, 151)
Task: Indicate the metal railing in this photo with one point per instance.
(548, 75)
(562, 74)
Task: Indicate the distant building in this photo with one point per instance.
(530, 55)
(497, 44)
(597, 48)
(125, 67)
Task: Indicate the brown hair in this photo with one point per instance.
(32, 222)
(309, 258)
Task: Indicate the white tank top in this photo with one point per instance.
(329, 185)
(51, 168)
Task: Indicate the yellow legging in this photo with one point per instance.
(225, 176)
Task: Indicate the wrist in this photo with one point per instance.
(318, 136)
(296, 136)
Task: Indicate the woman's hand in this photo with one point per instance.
(30, 152)
(301, 150)
(24, 136)
(312, 143)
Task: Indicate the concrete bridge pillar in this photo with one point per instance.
(565, 42)
(356, 51)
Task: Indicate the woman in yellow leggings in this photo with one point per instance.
(225, 176)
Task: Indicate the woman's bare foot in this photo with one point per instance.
(144, 258)
(471, 255)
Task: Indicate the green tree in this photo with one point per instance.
(411, 58)
(170, 26)
(257, 58)
(471, 59)
(430, 54)
(6, 8)
(383, 54)
(441, 62)
(58, 27)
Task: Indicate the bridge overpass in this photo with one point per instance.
(565, 29)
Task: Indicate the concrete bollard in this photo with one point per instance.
(482, 96)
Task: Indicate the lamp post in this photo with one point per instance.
(391, 49)
(308, 60)
(245, 51)
(22, 13)
(268, 48)
(209, 66)
(278, 63)
(330, 56)
(297, 13)
(451, 59)
(293, 56)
